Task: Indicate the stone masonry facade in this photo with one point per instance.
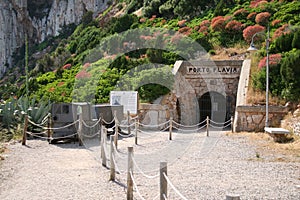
(195, 78)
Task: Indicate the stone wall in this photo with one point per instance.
(252, 118)
(153, 114)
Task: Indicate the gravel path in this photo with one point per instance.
(202, 168)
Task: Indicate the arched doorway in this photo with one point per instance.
(213, 105)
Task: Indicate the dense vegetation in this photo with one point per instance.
(76, 62)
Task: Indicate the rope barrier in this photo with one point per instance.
(189, 126)
(157, 125)
(66, 126)
(126, 126)
(118, 153)
(166, 128)
(141, 171)
(91, 126)
(52, 138)
(38, 136)
(220, 123)
(135, 186)
(191, 130)
(219, 127)
(116, 166)
(107, 123)
(125, 136)
(227, 125)
(173, 187)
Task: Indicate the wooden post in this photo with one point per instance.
(25, 130)
(116, 129)
(163, 182)
(80, 130)
(103, 142)
(100, 127)
(49, 127)
(231, 121)
(207, 126)
(129, 178)
(128, 122)
(171, 128)
(136, 131)
(112, 163)
(232, 197)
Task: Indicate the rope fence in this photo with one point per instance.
(134, 129)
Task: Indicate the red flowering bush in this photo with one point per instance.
(204, 30)
(60, 84)
(227, 18)
(251, 16)
(86, 65)
(280, 31)
(234, 26)
(218, 23)
(262, 18)
(83, 74)
(275, 22)
(146, 37)
(258, 3)
(176, 38)
(52, 89)
(251, 30)
(274, 60)
(181, 23)
(152, 18)
(163, 22)
(185, 30)
(240, 12)
(205, 23)
(67, 66)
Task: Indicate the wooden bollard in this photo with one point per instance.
(129, 172)
(112, 163)
(25, 130)
(49, 126)
(103, 142)
(116, 129)
(128, 122)
(207, 126)
(171, 128)
(80, 130)
(162, 181)
(136, 131)
(231, 121)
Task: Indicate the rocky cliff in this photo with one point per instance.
(38, 19)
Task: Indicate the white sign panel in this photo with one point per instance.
(129, 100)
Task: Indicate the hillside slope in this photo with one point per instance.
(223, 30)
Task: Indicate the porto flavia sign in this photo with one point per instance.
(208, 70)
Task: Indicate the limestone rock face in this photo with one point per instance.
(38, 19)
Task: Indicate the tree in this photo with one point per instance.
(290, 73)
(296, 40)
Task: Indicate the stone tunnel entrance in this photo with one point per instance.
(206, 88)
(213, 105)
